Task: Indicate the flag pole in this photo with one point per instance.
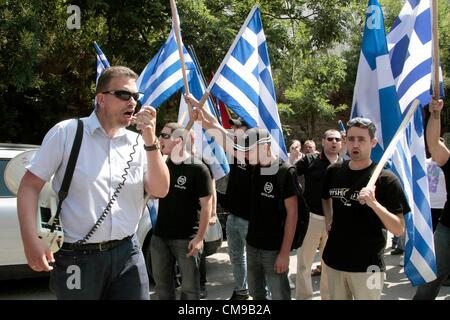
(436, 91)
(393, 144)
(176, 26)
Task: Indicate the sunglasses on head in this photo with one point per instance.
(165, 135)
(361, 121)
(334, 138)
(124, 95)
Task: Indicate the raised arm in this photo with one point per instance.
(214, 129)
(156, 180)
(439, 152)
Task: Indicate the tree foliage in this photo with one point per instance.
(47, 71)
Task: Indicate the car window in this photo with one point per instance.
(4, 191)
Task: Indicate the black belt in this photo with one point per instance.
(103, 246)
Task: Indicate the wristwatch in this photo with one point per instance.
(152, 147)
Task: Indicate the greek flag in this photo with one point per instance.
(152, 207)
(410, 46)
(375, 97)
(162, 76)
(244, 81)
(102, 62)
(212, 153)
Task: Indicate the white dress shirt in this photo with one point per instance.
(98, 171)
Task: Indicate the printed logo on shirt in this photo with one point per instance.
(242, 166)
(342, 194)
(180, 182)
(268, 188)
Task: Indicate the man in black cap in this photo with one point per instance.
(237, 195)
(271, 227)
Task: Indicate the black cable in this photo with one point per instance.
(113, 197)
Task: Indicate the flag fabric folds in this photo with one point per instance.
(245, 82)
(212, 153)
(410, 46)
(162, 76)
(375, 97)
(102, 62)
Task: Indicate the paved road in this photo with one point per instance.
(220, 282)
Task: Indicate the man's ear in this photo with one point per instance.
(374, 142)
(100, 97)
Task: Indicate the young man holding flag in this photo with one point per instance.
(357, 271)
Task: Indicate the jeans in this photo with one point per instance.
(236, 233)
(115, 274)
(164, 253)
(429, 291)
(261, 273)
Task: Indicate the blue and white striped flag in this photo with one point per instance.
(102, 62)
(212, 153)
(410, 46)
(375, 97)
(152, 207)
(245, 82)
(162, 76)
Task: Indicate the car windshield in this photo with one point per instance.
(4, 191)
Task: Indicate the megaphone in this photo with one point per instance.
(49, 229)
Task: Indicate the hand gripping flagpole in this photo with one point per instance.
(393, 144)
(224, 61)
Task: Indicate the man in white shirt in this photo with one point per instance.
(110, 262)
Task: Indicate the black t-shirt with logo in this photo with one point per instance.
(356, 240)
(178, 210)
(266, 225)
(239, 190)
(445, 217)
(313, 167)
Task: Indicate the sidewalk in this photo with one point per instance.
(220, 278)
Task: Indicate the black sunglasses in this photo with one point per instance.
(125, 95)
(334, 138)
(165, 135)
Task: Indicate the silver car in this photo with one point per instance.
(13, 264)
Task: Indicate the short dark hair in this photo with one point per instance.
(111, 73)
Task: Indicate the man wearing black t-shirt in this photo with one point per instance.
(179, 232)
(441, 155)
(238, 204)
(271, 226)
(313, 167)
(356, 269)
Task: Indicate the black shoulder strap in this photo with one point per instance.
(62, 194)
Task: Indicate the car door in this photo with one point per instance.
(11, 248)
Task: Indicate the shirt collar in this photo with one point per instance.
(93, 124)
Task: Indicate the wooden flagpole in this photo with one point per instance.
(436, 91)
(392, 145)
(176, 26)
